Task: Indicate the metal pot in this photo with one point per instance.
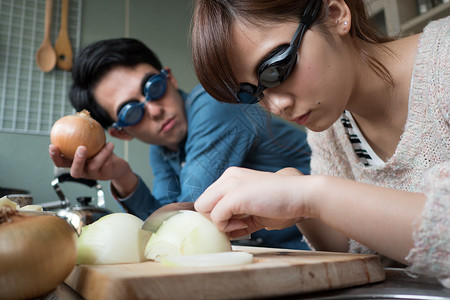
(4, 191)
(21, 199)
(83, 213)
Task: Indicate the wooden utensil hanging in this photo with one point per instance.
(46, 55)
(63, 46)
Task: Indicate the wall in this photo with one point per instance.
(164, 27)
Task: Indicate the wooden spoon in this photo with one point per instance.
(46, 55)
(63, 47)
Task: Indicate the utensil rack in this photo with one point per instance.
(30, 100)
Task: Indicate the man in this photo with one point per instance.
(192, 138)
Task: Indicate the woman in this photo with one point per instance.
(377, 113)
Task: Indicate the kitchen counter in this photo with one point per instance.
(397, 285)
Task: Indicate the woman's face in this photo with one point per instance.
(320, 85)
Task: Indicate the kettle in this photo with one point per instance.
(82, 213)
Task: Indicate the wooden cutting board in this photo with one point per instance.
(275, 272)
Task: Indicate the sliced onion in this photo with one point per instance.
(219, 259)
(32, 207)
(113, 239)
(186, 233)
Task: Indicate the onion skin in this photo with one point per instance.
(80, 129)
(37, 253)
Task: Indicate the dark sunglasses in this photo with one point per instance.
(278, 66)
(153, 89)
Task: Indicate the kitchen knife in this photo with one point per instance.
(25, 212)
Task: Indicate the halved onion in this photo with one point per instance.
(113, 239)
(186, 233)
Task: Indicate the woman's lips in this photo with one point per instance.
(168, 125)
(302, 120)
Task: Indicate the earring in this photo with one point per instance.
(345, 23)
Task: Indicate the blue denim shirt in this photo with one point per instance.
(219, 136)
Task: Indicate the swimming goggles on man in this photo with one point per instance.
(278, 66)
(153, 89)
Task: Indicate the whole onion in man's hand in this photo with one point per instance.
(72, 131)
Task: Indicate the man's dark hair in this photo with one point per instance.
(95, 61)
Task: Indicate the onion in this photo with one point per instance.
(5, 202)
(113, 239)
(80, 129)
(186, 233)
(32, 207)
(219, 259)
(36, 253)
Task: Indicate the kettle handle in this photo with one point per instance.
(89, 182)
(67, 177)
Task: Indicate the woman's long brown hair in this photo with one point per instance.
(212, 40)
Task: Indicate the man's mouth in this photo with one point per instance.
(168, 124)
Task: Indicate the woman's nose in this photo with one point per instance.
(276, 103)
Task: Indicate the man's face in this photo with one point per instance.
(164, 121)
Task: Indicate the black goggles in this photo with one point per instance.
(153, 89)
(279, 65)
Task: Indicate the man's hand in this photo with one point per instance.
(105, 165)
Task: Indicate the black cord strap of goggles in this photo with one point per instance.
(308, 18)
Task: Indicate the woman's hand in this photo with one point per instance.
(105, 165)
(243, 201)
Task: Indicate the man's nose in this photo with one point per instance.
(154, 109)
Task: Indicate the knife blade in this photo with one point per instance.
(25, 212)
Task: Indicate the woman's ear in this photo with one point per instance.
(340, 16)
(120, 134)
(171, 78)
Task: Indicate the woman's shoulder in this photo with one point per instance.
(431, 82)
(436, 33)
(442, 24)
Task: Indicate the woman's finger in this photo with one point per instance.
(214, 193)
(235, 224)
(228, 213)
